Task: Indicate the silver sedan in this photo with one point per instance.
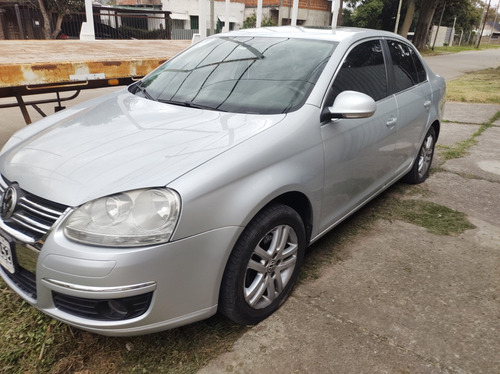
(198, 188)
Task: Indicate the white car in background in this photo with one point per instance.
(198, 188)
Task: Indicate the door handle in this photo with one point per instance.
(391, 122)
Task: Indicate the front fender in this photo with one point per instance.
(230, 189)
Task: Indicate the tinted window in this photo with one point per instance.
(241, 74)
(408, 69)
(421, 73)
(364, 71)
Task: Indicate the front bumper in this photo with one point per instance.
(179, 280)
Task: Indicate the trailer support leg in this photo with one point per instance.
(23, 108)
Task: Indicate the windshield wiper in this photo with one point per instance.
(142, 89)
(251, 49)
(190, 104)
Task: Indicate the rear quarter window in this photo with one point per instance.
(408, 69)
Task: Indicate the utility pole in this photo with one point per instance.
(295, 11)
(258, 21)
(226, 21)
(484, 24)
(440, 20)
(335, 13)
(212, 20)
(202, 20)
(397, 17)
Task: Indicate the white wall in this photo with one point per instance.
(441, 37)
(309, 17)
(192, 8)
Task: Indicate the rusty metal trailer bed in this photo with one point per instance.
(56, 66)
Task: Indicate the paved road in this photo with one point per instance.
(453, 65)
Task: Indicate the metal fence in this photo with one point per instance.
(20, 21)
(24, 21)
(471, 38)
(115, 23)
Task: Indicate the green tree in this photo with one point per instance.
(367, 14)
(347, 17)
(468, 14)
(418, 15)
(251, 22)
(61, 8)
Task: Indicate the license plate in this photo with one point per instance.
(6, 259)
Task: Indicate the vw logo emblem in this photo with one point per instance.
(9, 201)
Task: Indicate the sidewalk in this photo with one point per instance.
(399, 299)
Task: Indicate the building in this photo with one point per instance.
(315, 13)
(158, 19)
(492, 30)
(185, 13)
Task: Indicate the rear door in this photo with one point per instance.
(412, 90)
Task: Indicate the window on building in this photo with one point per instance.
(195, 24)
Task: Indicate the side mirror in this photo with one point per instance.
(350, 104)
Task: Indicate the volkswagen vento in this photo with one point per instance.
(198, 188)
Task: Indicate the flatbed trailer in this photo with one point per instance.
(55, 66)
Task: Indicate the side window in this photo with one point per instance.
(364, 71)
(421, 73)
(408, 69)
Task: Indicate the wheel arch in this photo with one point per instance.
(301, 204)
(437, 127)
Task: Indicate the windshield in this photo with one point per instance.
(240, 74)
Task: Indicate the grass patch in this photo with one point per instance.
(31, 342)
(460, 149)
(477, 87)
(436, 218)
(456, 49)
(392, 205)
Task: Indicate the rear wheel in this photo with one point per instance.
(422, 165)
(263, 266)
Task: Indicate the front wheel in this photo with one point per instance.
(422, 165)
(263, 266)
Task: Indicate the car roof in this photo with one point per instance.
(337, 34)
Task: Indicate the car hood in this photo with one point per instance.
(118, 143)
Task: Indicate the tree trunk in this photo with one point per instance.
(410, 11)
(57, 29)
(46, 20)
(427, 9)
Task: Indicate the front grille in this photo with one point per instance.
(30, 221)
(33, 215)
(98, 309)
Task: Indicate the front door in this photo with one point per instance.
(358, 152)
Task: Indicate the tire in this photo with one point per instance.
(263, 268)
(422, 165)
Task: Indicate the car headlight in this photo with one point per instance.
(133, 218)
